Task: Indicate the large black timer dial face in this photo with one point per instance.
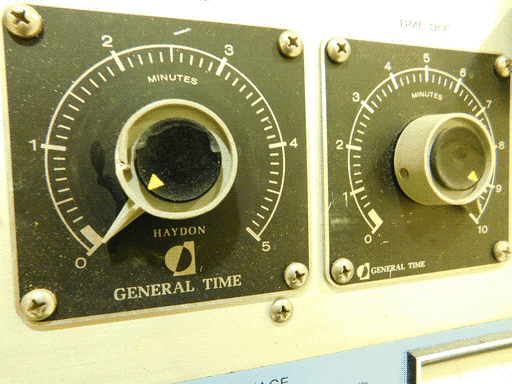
(162, 168)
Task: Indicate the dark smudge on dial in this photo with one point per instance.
(106, 181)
(97, 155)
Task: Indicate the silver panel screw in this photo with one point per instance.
(338, 49)
(38, 304)
(503, 66)
(296, 275)
(290, 44)
(281, 310)
(342, 271)
(501, 251)
(23, 21)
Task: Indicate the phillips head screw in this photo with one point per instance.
(23, 21)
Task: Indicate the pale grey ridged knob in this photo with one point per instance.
(445, 159)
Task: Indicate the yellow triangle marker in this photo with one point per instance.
(154, 182)
(472, 176)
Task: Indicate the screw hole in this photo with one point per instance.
(293, 41)
(342, 47)
(404, 173)
(20, 16)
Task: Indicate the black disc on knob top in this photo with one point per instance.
(177, 160)
(458, 158)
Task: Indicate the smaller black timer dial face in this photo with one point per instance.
(177, 160)
(163, 165)
(417, 157)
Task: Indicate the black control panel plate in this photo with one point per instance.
(69, 93)
(368, 101)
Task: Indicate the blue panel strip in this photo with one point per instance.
(383, 363)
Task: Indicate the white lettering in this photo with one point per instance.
(166, 289)
(388, 268)
(155, 290)
(220, 282)
(143, 291)
(225, 283)
(132, 292)
(178, 286)
(169, 77)
(151, 290)
(207, 282)
(119, 294)
(237, 280)
(433, 95)
(189, 289)
(180, 231)
(416, 264)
